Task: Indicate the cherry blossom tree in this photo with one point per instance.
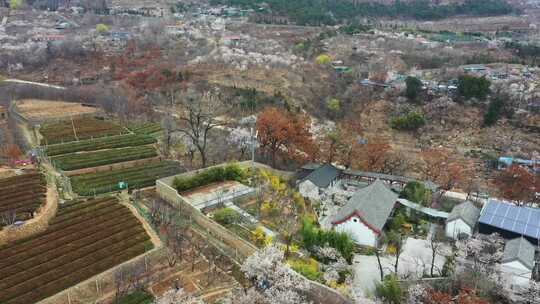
(276, 282)
(178, 296)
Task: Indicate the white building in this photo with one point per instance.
(366, 213)
(313, 185)
(462, 221)
(518, 261)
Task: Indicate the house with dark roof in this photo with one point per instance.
(462, 220)
(518, 261)
(366, 213)
(319, 179)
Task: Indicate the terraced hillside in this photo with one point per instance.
(136, 177)
(21, 196)
(84, 239)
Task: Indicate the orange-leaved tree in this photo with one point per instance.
(281, 132)
(517, 183)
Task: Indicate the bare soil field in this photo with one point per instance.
(36, 109)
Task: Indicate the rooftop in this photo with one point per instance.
(465, 211)
(323, 176)
(521, 250)
(518, 219)
(373, 204)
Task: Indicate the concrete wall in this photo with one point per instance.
(110, 167)
(456, 227)
(359, 232)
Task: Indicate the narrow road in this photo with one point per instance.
(12, 80)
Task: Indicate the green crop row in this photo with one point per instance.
(136, 177)
(76, 161)
(112, 142)
(147, 128)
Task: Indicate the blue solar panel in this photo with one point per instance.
(520, 220)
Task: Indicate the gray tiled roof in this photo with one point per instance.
(519, 250)
(323, 176)
(465, 211)
(373, 204)
(402, 179)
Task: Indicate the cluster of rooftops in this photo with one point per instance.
(374, 203)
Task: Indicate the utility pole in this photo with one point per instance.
(253, 136)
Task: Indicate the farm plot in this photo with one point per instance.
(83, 240)
(112, 142)
(20, 197)
(83, 160)
(136, 177)
(78, 129)
(147, 128)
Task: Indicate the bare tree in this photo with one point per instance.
(168, 125)
(199, 118)
(8, 217)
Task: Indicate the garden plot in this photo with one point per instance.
(84, 239)
(78, 129)
(40, 110)
(76, 161)
(216, 193)
(20, 197)
(111, 142)
(136, 177)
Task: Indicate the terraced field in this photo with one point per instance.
(136, 177)
(78, 129)
(84, 239)
(147, 128)
(76, 161)
(112, 142)
(21, 195)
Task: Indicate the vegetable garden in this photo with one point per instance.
(85, 238)
(112, 142)
(136, 177)
(78, 129)
(76, 161)
(21, 196)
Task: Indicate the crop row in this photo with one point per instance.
(78, 129)
(80, 216)
(136, 177)
(46, 285)
(76, 161)
(111, 142)
(147, 128)
(48, 260)
(86, 238)
(55, 236)
(22, 195)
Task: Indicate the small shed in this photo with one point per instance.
(518, 260)
(319, 179)
(462, 220)
(366, 213)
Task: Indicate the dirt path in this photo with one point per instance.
(124, 200)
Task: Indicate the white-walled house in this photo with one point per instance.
(317, 181)
(462, 220)
(518, 261)
(366, 213)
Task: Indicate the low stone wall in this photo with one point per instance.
(35, 225)
(104, 168)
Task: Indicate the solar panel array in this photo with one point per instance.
(521, 220)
